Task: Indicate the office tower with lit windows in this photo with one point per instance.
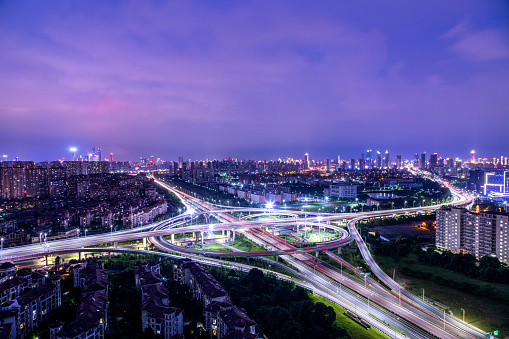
(433, 161)
(387, 160)
(369, 163)
(423, 160)
(306, 161)
(378, 159)
(398, 161)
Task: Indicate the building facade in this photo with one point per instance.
(480, 234)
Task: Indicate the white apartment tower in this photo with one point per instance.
(480, 234)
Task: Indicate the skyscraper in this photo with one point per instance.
(433, 161)
(306, 161)
(368, 159)
(423, 160)
(378, 159)
(398, 161)
(386, 160)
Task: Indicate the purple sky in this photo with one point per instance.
(253, 79)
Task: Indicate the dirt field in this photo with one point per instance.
(393, 231)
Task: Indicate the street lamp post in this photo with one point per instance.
(2, 243)
(319, 222)
(422, 294)
(463, 314)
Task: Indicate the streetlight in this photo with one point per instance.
(319, 222)
(405, 204)
(2, 244)
(463, 314)
(422, 294)
(269, 206)
(111, 229)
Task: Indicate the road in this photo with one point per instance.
(372, 300)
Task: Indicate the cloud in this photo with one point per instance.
(479, 45)
(198, 78)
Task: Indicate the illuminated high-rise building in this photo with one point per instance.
(369, 163)
(306, 161)
(36, 178)
(480, 234)
(387, 160)
(423, 160)
(378, 159)
(57, 180)
(433, 161)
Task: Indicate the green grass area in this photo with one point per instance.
(288, 237)
(212, 247)
(354, 330)
(488, 314)
(319, 237)
(246, 245)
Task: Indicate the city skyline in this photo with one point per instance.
(253, 80)
(74, 154)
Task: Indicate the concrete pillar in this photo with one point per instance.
(79, 255)
(109, 254)
(201, 236)
(316, 254)
(339, 250)
(144, 242)
(173, 238)
(277, 258)
(222, 233)
(194, 235)
(116, 244)
(46, 260)
(233, 235)
(228, 234)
